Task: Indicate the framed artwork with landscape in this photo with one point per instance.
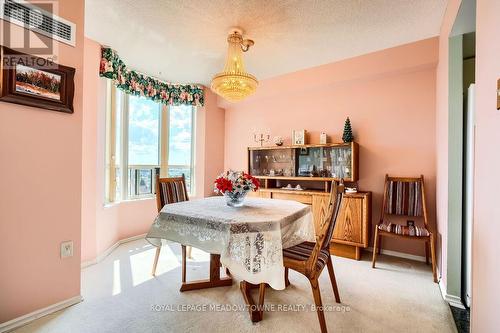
(35, 81)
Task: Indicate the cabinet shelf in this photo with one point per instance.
(337, 161)
(342, 144)
(315, 162)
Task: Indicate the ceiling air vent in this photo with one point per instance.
(38, 20)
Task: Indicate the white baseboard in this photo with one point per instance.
(451, 299)
(23, 320)
(103, 255)
(399, 254)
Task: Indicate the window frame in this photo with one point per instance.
(191, 186)
(126, 183)
(111, 165)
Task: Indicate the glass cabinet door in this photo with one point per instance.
(272, 162)
(329, 162)
(340, 161)
(334, 161)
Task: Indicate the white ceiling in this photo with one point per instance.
(184, 41)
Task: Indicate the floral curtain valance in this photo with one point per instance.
(131, 82)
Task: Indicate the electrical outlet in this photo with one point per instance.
(67, 249)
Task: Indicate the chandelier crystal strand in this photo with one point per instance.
(234, 83)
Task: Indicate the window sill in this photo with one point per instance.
(146, 197)
(116, 203)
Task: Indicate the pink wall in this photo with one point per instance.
(486, 268)
(442, 135)
(89, 142)
(214, 143)
(103, 226)
(389, 97)
(40, 201)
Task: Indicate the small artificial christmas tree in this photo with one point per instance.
(347, 137)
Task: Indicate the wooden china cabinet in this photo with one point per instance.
(304, 173)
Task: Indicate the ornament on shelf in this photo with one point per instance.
(347, 136)
(262, 138)
(278, 140)
(322, 138)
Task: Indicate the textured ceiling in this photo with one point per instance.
(185, 40)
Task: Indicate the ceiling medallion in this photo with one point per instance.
(234, 83)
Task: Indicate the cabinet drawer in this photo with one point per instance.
(254, 194)
(349, 227)
(260, 194)
(306, 199)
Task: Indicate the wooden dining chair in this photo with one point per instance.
(171, 190)
(405, 197)
(310, 258)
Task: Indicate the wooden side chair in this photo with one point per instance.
(171, 190)
(309, 258)
(405, 197)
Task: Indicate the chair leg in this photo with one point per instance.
(319, 304)
(155, 262)
(375, 247)
(287, 281)
(183, 263)
(427, 253)
(433, 257)
(188, 251)
(379, 244)
(329, 264)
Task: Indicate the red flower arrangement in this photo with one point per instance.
(236, 183)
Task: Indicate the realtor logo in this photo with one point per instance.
(37, 19)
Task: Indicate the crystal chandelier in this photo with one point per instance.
(234, 83)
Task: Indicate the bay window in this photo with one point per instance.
(145, 138)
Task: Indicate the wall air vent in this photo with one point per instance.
(38, 20)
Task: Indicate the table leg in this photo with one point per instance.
(214, 281)
(256, 310)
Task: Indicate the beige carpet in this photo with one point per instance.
(121, 296)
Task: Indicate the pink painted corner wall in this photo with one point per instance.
(103, 226)
(214, 142)
(40, 201)
(390, 99)
(485, 248)
(442, 136)
(89, 143)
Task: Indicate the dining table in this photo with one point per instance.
(248, 241)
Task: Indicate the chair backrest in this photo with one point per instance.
(170, 190)
(329, 213)
(404, 196)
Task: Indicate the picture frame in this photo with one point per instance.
(34, 81)
(298, 137)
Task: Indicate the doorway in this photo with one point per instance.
(461, 162)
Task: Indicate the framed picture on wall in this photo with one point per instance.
(298, 137)
(34, 81)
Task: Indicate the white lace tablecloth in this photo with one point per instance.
(249, 239)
